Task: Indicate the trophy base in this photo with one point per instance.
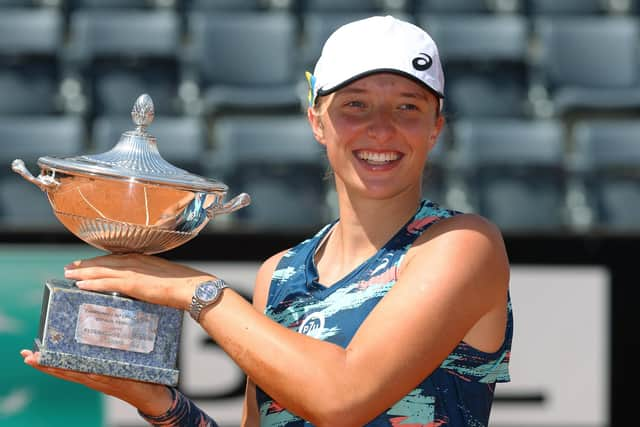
(110, 335)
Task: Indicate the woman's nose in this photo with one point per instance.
(381, 126)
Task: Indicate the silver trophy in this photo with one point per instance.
(126, 200)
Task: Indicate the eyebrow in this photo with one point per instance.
(355, 90)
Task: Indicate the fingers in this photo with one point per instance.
(95, 381)
(111, 260)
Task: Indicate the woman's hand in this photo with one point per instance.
(142, 277)
(151, 399)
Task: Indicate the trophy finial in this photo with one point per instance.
(143, 112)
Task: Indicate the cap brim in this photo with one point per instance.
(322, 91)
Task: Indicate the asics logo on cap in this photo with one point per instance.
(422, 63)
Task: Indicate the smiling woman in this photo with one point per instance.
(395, 313)
(381, 127)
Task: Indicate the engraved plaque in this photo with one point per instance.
(116, 328)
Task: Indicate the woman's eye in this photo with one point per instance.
(409, 107)
(355, 104)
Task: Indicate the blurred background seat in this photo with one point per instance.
(577, 7)
(606, 158)
(118, 4)
(487, 77)
(29, 68)
(242, 61)
(278, 162)
(180, 140)
(361, 6)
(115, 55)
(514, 171)
(236, 5)
(466, 6)
(29, 138)
(26, 3)
(585, 64)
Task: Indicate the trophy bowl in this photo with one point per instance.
(130, 199)
(125, 200)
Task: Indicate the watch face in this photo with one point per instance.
(206, 291)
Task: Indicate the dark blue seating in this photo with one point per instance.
(278, 162)
(116, 55)
(485, 59)
(587, 63)
(243, 61)
(29, 138)
(514, 171)
(29, 68)
(606, 158)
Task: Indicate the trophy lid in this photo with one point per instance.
(135, 156)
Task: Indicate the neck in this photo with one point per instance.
(365, 225)
(374, 222)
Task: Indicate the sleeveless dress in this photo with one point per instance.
(458, 393)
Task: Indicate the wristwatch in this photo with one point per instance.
(206, 294)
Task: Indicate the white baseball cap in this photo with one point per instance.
(374, 45)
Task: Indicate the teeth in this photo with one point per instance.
(373, 157)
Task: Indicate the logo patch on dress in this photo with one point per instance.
(312, 325)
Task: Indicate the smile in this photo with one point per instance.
(378, 158)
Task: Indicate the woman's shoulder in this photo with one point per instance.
(452, 223)
(469, 240)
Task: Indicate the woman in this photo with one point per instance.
(397, 313)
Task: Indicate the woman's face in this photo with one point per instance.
(378, 132)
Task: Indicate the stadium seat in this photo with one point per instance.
(222, 5)
(23, 206)
(115, 4)
(18, 3)
(514, 171)
(117, 55)
(180, 140)
(29, 66)
(587, 63)
(485, 63)
(29, 138)
(466, 6)
(278, 162)
(606, 159)
(361, 6)
(568, 7)
(243, 61)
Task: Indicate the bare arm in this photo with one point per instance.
(251, 415)
(427, 313)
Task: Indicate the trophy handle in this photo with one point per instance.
(44, 182)
(238, 202)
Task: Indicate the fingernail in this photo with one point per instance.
(73, 264)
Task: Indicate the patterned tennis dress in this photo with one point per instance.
(458, 393)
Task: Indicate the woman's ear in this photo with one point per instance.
(437, 129)
(316, 125)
